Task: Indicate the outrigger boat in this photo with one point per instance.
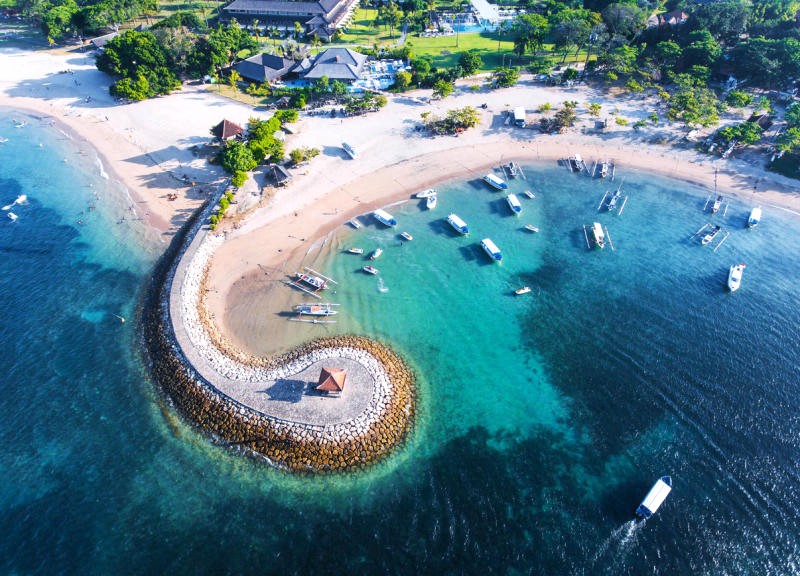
(376, 254)
(491, 249)
(523, 290)
(735, 276)
(513, 203)
(458, 224)
(655, 498)
(576, 163)
(370, 270)
(495, 182)
(314, 281)
(605, 166)
(755, 217)
(384, 218)
(711, 234)
(425, 193)
(430, 201)
(406, 236)
(322, 309)
(599, 236)
(349, 150)
(355, 250)
(716, 206)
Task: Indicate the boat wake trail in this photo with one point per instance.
(381, 287)
(619, 544)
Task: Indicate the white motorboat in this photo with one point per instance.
(491, 249)
(355, 223)
(354, 250)
(529, 194)
(523, 290)
(322, 309)
(376, 254)
(370, 270)
(655, 498)
(716, 205)
(513, 203)
(755, 217)
(430, 201)
(735, 276)
(349, 150)
(425, 193)
(531, 228)
(458, 224)
(599, 235)
(406, 236)
(495, 182)
(12, 216)
(384, 217)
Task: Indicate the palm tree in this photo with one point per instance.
(255, 28)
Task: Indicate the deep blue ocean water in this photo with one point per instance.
(544, 418)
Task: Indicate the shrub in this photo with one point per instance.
(738, 99)
(621, 121)
(238, 179)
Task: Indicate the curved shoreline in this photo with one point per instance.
(306, 447)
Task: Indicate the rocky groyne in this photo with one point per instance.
(173, 319)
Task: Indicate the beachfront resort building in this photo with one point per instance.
(340, 64)
(321, 18)
(270, 68)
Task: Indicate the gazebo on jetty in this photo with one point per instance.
(331, 381)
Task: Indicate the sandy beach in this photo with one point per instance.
(155, 148)
(158, 147)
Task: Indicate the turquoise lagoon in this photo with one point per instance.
(544, 418)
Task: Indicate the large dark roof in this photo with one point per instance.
(226, 129)
(264, 67)
(337, 64)
(282, 6)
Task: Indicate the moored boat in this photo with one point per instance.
(323, 309)
(12, 216)
(425, 193)
(406, 236)
(755, 217)
(354, 250)
(735, 276)
(458, 224)
(599, 235)
(312, 280)
(531, 228)
(495, 182)
(523, 290)
(384, 217)
(604, 168)
(369, 269)
(376, 254)
(529, 194)
(513, 203)
(354, 223)
(711, 234)
(655, 498)
(576, 163)
(716, 205)
(349, 150)
(430, 201)
(491, 249)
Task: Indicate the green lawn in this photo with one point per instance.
(445, 50)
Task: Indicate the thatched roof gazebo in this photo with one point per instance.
(226, 130)
(331, 380)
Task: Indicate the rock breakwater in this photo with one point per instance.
(205, 381)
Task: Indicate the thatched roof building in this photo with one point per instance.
(331, 380)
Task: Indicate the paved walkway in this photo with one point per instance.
(286, 392)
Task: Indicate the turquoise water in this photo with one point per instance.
(544, 420)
